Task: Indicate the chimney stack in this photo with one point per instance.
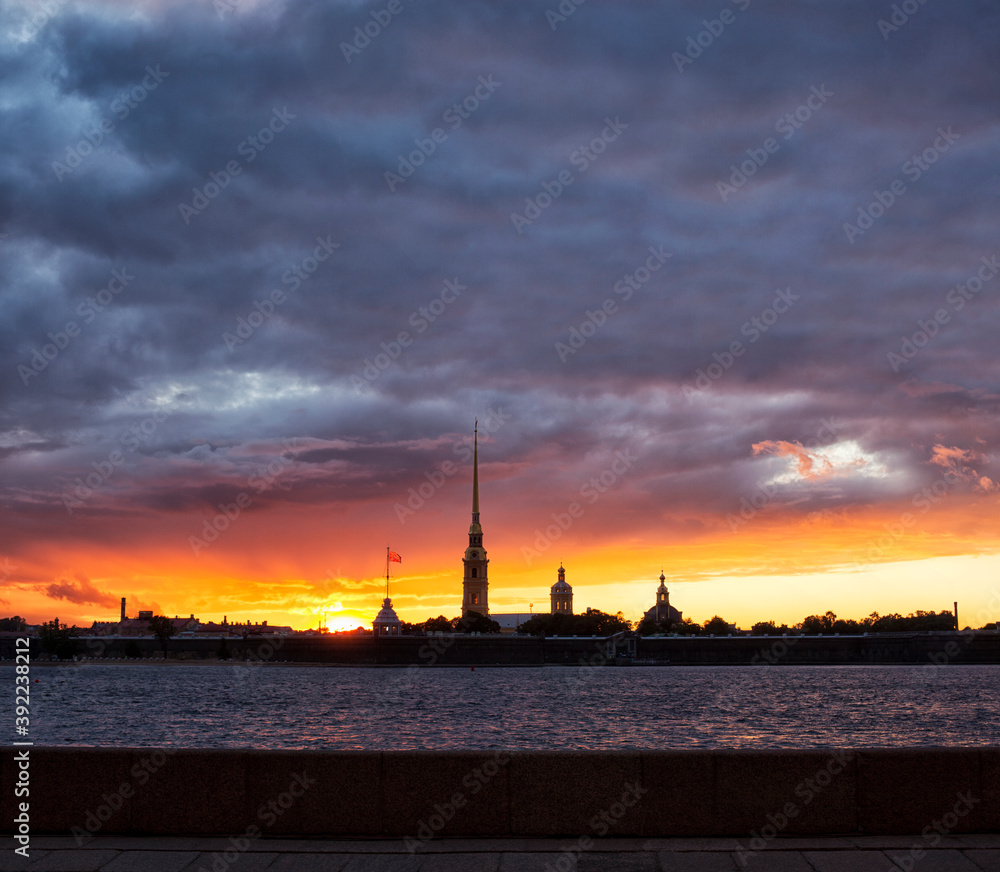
(956, 615)
(123, 608)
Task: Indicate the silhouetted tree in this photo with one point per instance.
(15, 624)
(163, 628)
(716, 626)
(440, 624)
(593, 622)
(687, 627)
(649, 627)
(56, 639)
(475, 623)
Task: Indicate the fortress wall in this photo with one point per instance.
(918, 649)
(573, 795)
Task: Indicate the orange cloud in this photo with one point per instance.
(810, 464)
(958, 463)
(82, 592)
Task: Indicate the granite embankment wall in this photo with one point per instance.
(455, 650)
(757, 795)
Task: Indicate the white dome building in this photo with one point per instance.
(387, 622)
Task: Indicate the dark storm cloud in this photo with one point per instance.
(257, 123)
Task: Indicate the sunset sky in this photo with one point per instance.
(724, 277)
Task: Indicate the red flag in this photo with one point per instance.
(394, 557)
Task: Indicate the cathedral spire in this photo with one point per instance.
(475, 586)
(475, 473)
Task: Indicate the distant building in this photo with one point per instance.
(475, 586)
(386, 622)
(140, 626)
(663, 611)
(561, 595)
(510, 621)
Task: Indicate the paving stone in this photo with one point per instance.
(533, 862)
(309, 863)
(633, 861)
(698, 843)
(702, 861)
(933, 861)
(76, 860)
(382, 863)
(772, 861)
(850, 861)
(460, 863)
(11, 862)
(150, 861)
(972, 840)
(985, 858)
(242, 862)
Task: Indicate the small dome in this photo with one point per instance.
(387, 616)
(561, 587)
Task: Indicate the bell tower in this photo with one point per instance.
(662, 600)
(475, 585)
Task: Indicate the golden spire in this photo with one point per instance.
(475, 474)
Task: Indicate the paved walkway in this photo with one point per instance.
(191, 854)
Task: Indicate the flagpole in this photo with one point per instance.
(386, 571)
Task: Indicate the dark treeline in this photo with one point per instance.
(827, 624)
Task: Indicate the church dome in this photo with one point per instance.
(561, 587)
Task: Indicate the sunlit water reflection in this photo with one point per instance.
(252, 706)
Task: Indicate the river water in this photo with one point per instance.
(275, 706)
